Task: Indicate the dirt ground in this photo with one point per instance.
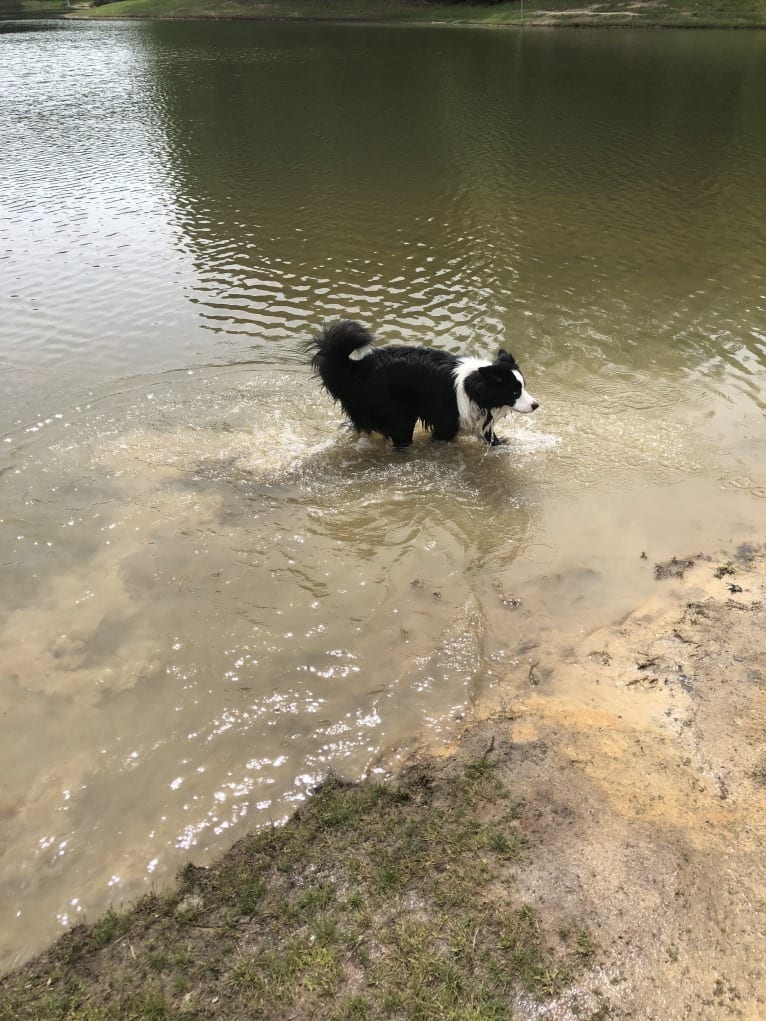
(640, 763)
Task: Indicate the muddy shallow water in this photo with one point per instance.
(211, 592)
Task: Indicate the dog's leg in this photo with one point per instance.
(444, 435)
(401, 441)
(488, 432)
(444, 427)
(493, 440)
(401, 436)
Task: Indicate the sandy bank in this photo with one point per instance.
(641, 764)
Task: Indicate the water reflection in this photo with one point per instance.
(564, 195)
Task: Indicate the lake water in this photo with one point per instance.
(211, 594)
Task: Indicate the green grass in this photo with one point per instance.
(614, 13)
(32, 8)
(670, 13)
(374, 901)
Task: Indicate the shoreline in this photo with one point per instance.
(500, 26)
(622, 14)
(405, 23)
(589, 849)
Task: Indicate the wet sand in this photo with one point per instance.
(640, 763)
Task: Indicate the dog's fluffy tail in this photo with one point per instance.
(334, 345)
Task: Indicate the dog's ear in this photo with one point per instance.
(506, 356)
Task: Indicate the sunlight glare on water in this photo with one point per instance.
(212, 593)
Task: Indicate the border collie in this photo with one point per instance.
(390, 389)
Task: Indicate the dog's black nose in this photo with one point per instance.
(535, 405)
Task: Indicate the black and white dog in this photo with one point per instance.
(389, 390)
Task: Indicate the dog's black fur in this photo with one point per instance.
(390, 389)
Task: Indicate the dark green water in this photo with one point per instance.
(210, 594)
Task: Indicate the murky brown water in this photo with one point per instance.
(210, 593)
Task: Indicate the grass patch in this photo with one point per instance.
(611, 13)
(32, 8)
(667, 13)
(374, 901)
(724, 569)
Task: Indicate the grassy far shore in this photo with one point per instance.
(610, 13)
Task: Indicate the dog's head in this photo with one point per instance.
(502, 385)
